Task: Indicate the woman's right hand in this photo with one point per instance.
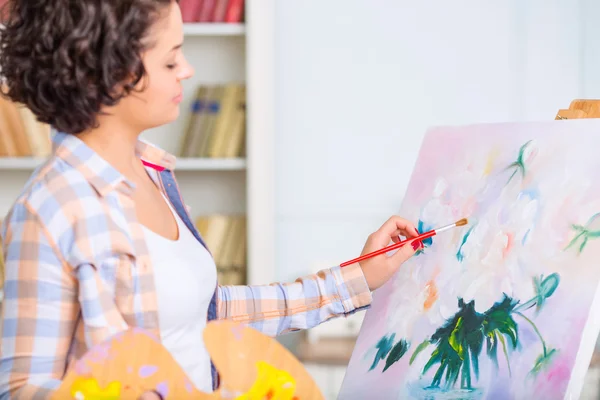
(379, 269)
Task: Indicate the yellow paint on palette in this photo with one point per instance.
(89, 389)
(271, 383)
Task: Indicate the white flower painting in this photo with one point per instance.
(496, 309)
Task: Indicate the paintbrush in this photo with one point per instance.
(395, 246)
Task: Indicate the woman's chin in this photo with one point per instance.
(167, 119)
(175, 114)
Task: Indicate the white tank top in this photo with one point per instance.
(185, 276)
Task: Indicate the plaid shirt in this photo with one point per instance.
(78, 271)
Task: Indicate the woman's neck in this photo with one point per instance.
(117, 145)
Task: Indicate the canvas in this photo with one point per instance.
(505, 307)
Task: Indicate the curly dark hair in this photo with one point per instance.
(65, 59)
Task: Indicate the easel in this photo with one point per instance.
(580, 109)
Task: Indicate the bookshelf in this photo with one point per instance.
(220, 53)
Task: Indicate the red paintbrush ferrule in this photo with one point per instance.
(394, 246)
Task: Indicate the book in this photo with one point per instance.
(190, 9)
(216, 125)
(225, 236)
(206, 11)
(233, 145)
(223, 123)
(235, 11)
(197, 111)
(213, 113)
(37, 133)
(21, 134)
(220, 11)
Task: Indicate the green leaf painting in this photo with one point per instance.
(383, 348)
(458, 344)
(396, 353)
(519, 165)
(583, 234)
(544, 288)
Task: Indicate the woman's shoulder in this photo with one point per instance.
(54, 185)
(71, 208)
(55, 195)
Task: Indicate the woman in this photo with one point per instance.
(100, 240)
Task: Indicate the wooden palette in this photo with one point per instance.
(252, 366)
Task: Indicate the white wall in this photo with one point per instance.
(590, 26)
(359, 82)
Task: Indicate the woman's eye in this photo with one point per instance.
(171, 66)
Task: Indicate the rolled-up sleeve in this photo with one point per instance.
(309, 301)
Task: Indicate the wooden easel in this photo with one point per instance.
(580, 109)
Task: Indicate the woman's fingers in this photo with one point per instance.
(393, 227)
(402, 234)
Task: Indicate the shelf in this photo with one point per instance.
(20, 163)
(183, 164)
(213, 29)
(210, 164)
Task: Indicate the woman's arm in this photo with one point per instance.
(39, 310)
(283, 307)
(279, 308)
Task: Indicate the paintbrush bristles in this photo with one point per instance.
(462, 222)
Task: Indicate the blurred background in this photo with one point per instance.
(357, 85)
(300, 129)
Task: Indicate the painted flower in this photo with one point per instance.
(415, 299)
(488, 251)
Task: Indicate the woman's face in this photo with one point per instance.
(166, 67)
